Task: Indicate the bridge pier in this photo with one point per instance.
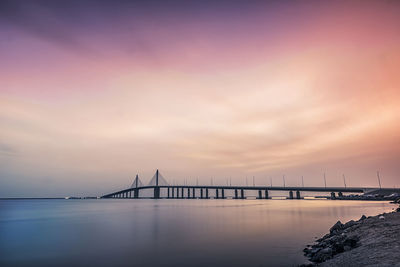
(207, 193)
(236, 194)
(188, 192)
(168, 192)
(216, 194)
(298, 194)
(266, 194)
(333, 195)
(222, 193)
(290, 194)
(340, 194)
(194, 192)
(241, 193)
(182, 192)
(259, 194)
(201, 193)
(136, 193)
(156, 192)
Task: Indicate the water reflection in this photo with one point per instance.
(167, 232)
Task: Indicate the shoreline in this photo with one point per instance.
(369, 241)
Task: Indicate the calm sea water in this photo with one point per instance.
(167, 232)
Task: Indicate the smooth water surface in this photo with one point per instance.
(171, 232)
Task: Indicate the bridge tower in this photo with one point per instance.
(157, 188)
(136, 183)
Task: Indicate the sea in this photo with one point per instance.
(168, 232)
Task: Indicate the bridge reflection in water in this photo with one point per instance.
(189, 191)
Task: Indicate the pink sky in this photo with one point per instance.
(91, 95)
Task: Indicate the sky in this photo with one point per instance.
(93, 92)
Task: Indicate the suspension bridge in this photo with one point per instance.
(158, 184)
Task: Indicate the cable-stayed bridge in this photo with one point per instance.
(158, 182)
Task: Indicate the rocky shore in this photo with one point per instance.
(370, 241)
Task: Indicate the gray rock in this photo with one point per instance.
(337, 227)
(349, 224)
(362, 218)
(326, 251)
(315, 250)
(351, 241)
(322, 255)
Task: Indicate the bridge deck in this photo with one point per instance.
(269, 188)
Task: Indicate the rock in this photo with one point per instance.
(349, 224)
(362, 218)
(315, 250)
(381, 217)
(337, 227)
(351, 241)
(338, 248)
(322, 255)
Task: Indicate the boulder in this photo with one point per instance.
(351, 241)
(322, 255)
(336, 227)
(349, 224)
(362, 218)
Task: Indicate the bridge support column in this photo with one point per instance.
(241, 193)
(188, 194)
(206, 192)
(216, 194)
(266, 194)
(201, 193)
(340, 194)
(259, 194)
(222, 193)
(333, 196)
(298, 194)
(173, 192)
(290, 194)
(136, 193)
(194, 192)
(236, 194)
(156, 192)
(168, 196)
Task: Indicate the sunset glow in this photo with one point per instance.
(90, 96)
